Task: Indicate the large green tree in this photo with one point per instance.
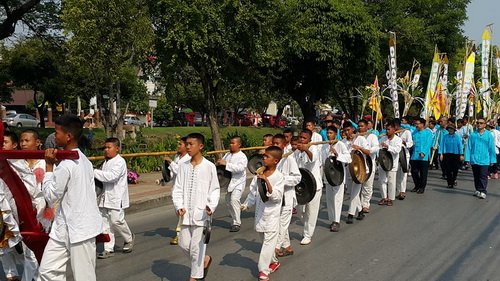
(223, 43)
(105, 37)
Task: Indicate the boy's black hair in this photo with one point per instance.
(13, 136)
(70, 124)
(184, 139)
(397, 122)
(114, 141)
(421, 120)
(33, 132)
(364, 121)
(307, 131)
(347, 124)
(332, 128)
(236, 138)
(288, 131)
(280, 136)
(295, 139)
(275, 151)
(391, 124)
(199, 137)
(266, 136)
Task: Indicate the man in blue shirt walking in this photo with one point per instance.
(419, 161)
(480, 153)
(451, 154)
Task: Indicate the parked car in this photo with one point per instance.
(199, 120)
(271, 121)
(132, 120)
(21, 120)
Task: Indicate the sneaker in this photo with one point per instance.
(105, 255)
(263, 276)
(274, 266)
(235, 228)
(294, 211)
(482, 195)
(361, 216)
(175, 241)
(495, 175)
(349, 219)
(476, 194)
(128, 246)
(305, 241)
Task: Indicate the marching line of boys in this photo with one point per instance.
(196, 190)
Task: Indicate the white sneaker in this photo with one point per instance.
(305, 241)
(482, 195)
(476, 194)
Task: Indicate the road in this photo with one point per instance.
(443, 234)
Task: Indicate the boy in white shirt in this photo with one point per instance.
(195, 195)
(173, 167)
(267, 214)
(77, 221)
(236, 162)
(291, 176)
(387, 179)
(114, 198)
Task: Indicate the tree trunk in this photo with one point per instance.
(39, 108)
(119, 114)
(210, 92)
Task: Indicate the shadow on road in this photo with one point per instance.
(170, 271)
(237, 260)
(163, 232)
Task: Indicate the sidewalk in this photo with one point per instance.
(148, 195)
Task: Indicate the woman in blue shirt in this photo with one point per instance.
(451, 153)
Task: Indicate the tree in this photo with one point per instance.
(223, 43)
(35, 65)
(330, 46)
(107, 36)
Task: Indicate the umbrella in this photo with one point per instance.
(187, 110)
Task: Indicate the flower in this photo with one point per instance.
(132, 177)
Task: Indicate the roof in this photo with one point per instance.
(20, 97)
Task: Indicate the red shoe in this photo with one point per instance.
(495, 175)
(294, 211)
(263, 276)
(274, 266)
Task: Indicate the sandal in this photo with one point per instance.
(284, 252)
(382, 202)
(389, 202)
(205, 270)
(263, 276)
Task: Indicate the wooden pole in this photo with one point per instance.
(136, 155)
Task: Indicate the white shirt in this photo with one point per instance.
(195, 188)
(394, 147)
(267, 215)
(9, 215)
(408, 139)
(174, 165)
(291, 177)
(237, 165)
(78, 217)
(113, 176)
(287, 148)
(343, 156)
(496, 138)
(374, 147)
(316, 137)
(313, 165)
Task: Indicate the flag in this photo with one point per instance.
(374, 102)
(438, 101)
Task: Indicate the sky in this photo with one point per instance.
(482, 13)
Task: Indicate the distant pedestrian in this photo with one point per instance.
(451, 154)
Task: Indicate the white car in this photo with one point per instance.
(132, 120)
(21, 120)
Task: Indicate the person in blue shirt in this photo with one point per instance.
(371, 128)
(451, 153)
(480, 153)
(440, 133)
(419, 160)
(406, 122)
(327, 123)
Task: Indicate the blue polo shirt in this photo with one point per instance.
(451, 144)
(481, 149)
(422, 144)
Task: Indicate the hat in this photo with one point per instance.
(328, 118)
(451, 126)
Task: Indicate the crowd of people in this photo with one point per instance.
(67, 187)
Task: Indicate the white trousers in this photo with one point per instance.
(283, 235)
(30, 268)
(334, 199)
(387, 183)
(114, 222)
(267, 253)
(309, 214)
(367, 191)
(355, 196)
(233, 202)
(57, 254)
(10, 260)
(401, 179)
(191, 241)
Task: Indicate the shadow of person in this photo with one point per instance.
(221, 223)
(237, 260)
(166, 270)
(252, 246)
(163, 232)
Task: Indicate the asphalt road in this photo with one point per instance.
(443, 234)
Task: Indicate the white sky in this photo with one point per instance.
(482, 13)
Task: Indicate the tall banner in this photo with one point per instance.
(431, 86)
(392, 76)
(485, 79)
(468, 78)
(444, 87)
(416, 77)
(458, 93)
